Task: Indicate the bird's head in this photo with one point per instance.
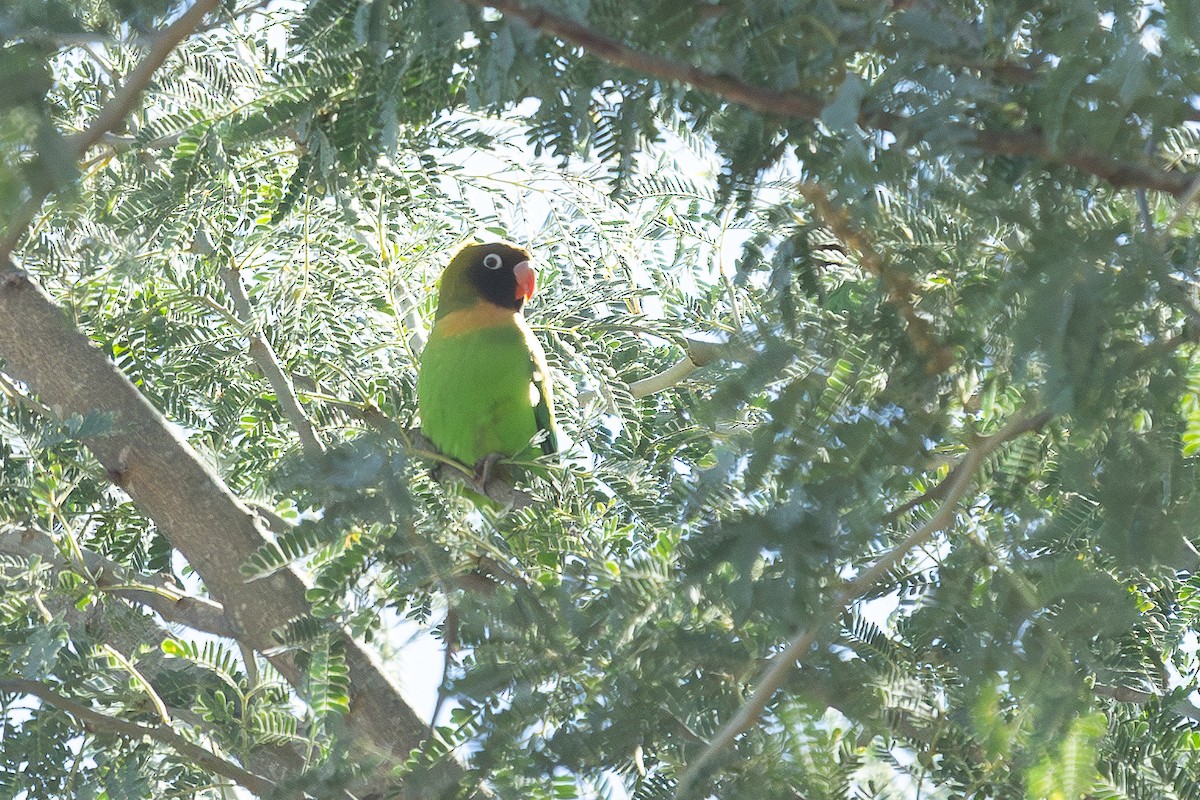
(499, 273)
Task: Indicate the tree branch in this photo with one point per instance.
(95, 722)
(1021, 143)
(197, 513)
(416, 444)
(699, 354)
(1185, 200)
(901, 290)
(785, 660)
(121, 104)
(939, 491)
(159, 594)
(1125, 694)
(767, 101)
(264, 356)
(14, 394)
(131, 631)
(366, 413)
(167, 478)
(237, 13)
(447, 470)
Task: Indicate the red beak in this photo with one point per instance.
(526, 280)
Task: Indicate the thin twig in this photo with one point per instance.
(126, 98)
(735, 312)
(450, 643)
(96, 722)
(902, 291)
(264, 356)
(942, 488)
(1125, 694)
(786, 659)
(22, 218)
(235, 14)
(1143, 205)
(139, 680)
(123, 144)
(664, 380)
(114, 111)
(365, 412)
(447, 470)
(795, 103)
(113, 74)
(152, 591)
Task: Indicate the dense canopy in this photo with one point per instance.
(873, 329)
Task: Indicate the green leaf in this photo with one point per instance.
(328, 680)
(36, 657)
(1071, 772)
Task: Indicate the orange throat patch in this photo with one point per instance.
(480, 315)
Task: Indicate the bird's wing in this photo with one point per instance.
(543, 406)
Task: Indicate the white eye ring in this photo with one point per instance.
(493, 261)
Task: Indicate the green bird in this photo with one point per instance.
(483, 390)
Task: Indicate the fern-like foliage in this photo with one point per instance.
(333, 154)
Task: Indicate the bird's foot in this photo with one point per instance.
(485, 470)
(493, 481)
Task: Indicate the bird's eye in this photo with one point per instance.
(493, 261)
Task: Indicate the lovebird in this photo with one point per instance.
(483, 390)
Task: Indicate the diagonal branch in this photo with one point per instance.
(123, 103)
(942, 489)
(152, 591)
(446, 470)
(1020, 143)
(1185, 200)
(785, 660)
(264, 356)
(197, 513)
(776, 103)
(1124, 694)
(119, 107)
(15, 395)
(128, 630)
(901, 290)
(363, 412)
(96, 722)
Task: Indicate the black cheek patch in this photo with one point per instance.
(498, 286)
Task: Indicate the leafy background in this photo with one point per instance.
(887, 287)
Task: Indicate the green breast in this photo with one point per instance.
(474, 391)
